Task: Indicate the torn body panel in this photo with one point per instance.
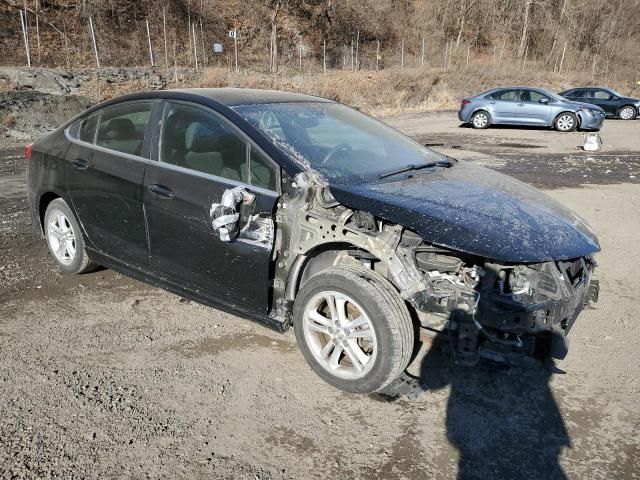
(496, 310)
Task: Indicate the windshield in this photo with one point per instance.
(339, 142)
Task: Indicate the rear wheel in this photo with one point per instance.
(353, 328)
(64, 238)
(481, 119)
(627, 112)
(566, 122)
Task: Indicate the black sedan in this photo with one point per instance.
(614, 104)
(298, 211)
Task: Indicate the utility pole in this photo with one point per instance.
(164, 27)
(235, 46)
(93, 41)
(150, 49)
(324, 55)
(25, 35)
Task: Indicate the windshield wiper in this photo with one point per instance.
(412, 167)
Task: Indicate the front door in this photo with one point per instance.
(533, 108)
(104, 171)
(200, 157)
(604, 99)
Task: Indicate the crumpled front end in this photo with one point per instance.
(503, 312)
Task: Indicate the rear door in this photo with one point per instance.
(533, 108)
(104, 175)
(201, 156)
(502, 105)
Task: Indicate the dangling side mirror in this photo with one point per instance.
(544, 101)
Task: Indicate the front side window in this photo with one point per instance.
(122, 128)
(601, 95)
(532, 96)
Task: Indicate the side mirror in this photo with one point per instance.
(544, 101)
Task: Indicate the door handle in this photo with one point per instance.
(492, 103)
(161, 191)
(80, 164)
(521, 104)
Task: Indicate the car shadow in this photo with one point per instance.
(510, 127)
(503, 421)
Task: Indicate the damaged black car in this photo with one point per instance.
(298, 211)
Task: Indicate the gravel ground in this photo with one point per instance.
(102, 376)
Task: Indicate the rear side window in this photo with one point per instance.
(122, 127)
(509, 94)
(87, 131)
(197, 139)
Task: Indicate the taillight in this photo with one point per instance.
(466, 102)
(27, 151)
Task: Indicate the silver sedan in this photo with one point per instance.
(529, 106)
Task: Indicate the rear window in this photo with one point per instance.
(122, 127)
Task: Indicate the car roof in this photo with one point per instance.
(249, 96)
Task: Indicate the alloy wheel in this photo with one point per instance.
(627, 113)
(480, 120)
(565, 123)
(340, 335)
(62, 239)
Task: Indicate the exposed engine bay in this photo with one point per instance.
(497, 311)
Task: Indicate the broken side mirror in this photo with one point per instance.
(226, 215)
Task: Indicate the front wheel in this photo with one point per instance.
(353, 328)
(64, 238)
(566, 122)
(627, 113)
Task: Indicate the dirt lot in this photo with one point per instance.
(102, 376)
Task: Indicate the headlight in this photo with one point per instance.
(594, 112)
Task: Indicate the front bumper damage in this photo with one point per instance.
(518, 311)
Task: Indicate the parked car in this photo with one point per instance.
(613, 103)
(529, 106)
(295, 210)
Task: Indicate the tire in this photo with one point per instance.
(566, 122)
(375, 321)
(627, 112)
(64, 238)
(481, 119)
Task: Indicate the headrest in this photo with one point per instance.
(120, 129)
(200, 138)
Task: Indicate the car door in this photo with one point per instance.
(502, 105)
(533, 108)
(104, 171)
(605, 99)
(200, 156)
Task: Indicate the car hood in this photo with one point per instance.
(475, 210)
(586, 105)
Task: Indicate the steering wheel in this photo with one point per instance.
(340, 148)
